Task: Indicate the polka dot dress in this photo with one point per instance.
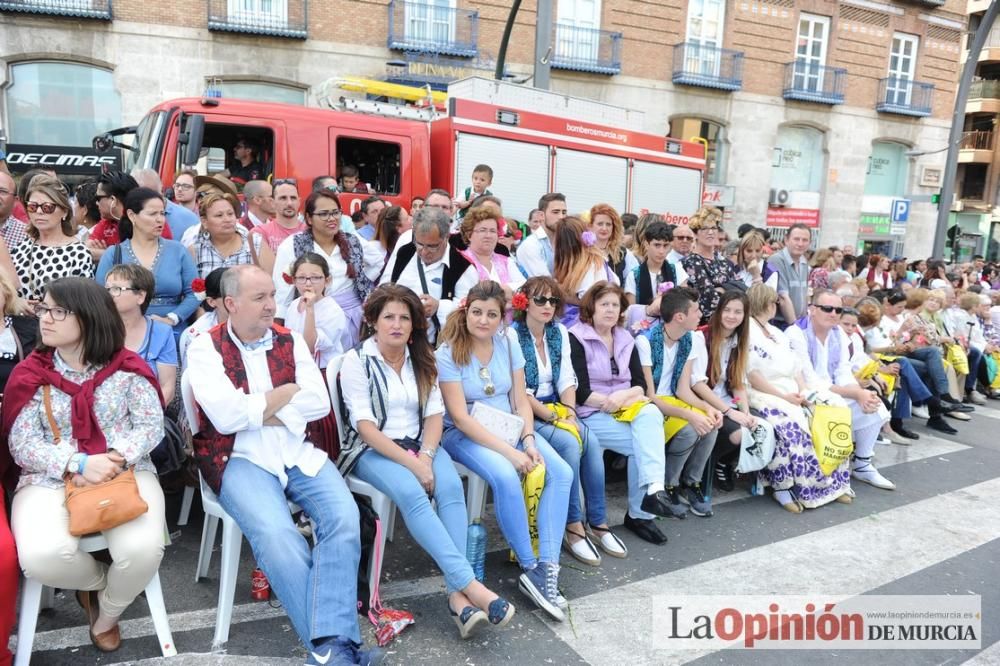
(37, 265)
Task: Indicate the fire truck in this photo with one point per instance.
(534, 140)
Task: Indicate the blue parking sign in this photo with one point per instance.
(900, 212)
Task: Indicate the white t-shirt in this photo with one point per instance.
(699, 371)
(669, 359)
(331, 328)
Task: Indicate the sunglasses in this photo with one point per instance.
(47, 208)
(488, 387)
(829, 308)
(683, 238)
(285, 181)
(540, 301)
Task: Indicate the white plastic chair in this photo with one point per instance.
(31, 601)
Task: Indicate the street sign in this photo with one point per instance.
(900, 211)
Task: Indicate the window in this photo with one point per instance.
(377, 162)
(902, 69)
(272, 13)
(262, 92)
(704, 32)
(578, 30)
(61, 104)
(687, 129)
(888, 169)
(219, 141)
(797, 162)
(430, 21)
(810, 52)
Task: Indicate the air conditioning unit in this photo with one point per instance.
(958, 206)
(778, 197)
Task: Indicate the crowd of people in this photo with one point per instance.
(461, 336)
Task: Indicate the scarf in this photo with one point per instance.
(38, 370)
(304, 241)
(655, 336)
(499, 261)
(832, 352)
(644, 294)
(553, 343)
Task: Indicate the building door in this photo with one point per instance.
(810, 52)
(577, 30)
(704, 37)
(902, 68)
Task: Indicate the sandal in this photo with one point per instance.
(500, 612)
(609, 542)
(788, 501)
(583, 550)
(469, 620)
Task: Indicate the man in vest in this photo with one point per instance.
(257, 388)
(433, 268)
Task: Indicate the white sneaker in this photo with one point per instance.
(867, 473)
(920, 412)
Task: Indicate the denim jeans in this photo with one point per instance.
(587, 465)
(912, 390)
(508, 498)
(642, 442)
(318, 588)
(928, 363)
(975, 360)
(443, 534)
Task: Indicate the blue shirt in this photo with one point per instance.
(158, 346)
(367, 232)
(173, 270)
(499, 374)
(180, 219)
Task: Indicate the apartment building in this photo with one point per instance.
(975, 215)
(816, 111)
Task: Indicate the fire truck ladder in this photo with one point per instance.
(328, 97)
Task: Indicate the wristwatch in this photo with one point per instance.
(430, 453)
(76, 463)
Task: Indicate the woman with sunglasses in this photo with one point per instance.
(395, 415)
(778, 392)
(708, 271)
(223, 241)
(344, 253)
(479, 363)
(551, 384)
(51, 251)
(141, 229)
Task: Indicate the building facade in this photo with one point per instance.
(812, 111)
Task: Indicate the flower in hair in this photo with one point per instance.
(288, 274)
(641, 325)
(516, 234)
(198, 287)
(589, 238)
(665, 287)
(462, 303)
(519, 302)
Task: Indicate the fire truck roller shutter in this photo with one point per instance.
(588, 178)
(520, 170)
(661, 188)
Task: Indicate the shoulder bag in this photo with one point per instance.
(100, 507)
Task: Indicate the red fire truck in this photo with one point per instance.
(535, 141)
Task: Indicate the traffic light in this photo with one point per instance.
(936, 198)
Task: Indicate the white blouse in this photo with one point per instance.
(699, 371)
(567, 377)
(331, 328)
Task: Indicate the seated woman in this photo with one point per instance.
(319, 318)
(83, 349)
(609, 380)
(551, 384)
(17, 332)
(215, 313)
(477, 363)
(778, 393)
(578, 264)
(479, 231)
(223, 241)
(132, 286)
(395, 413)
(721, 350)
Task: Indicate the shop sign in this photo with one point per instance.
(438, 69)
(721, 196)
(874, 225)
(73, 160)
(783, 218)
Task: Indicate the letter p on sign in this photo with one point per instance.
(900, 213)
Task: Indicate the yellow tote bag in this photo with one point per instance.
(673, 424)
(564, 420)
(871, 369)
(831, 435)
(995, 384)
(532, 485)
(958, 359)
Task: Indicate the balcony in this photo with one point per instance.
(984, 97)
(93, 9)
(282, 18)
(976, 147)
(707, 66)
(423, 27)
(809, 82)
(587, 50)
(904, 97)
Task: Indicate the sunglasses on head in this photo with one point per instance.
(488, 387)
(540, 301)
(285, 181)
(829, 308)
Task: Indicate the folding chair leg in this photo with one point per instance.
(232, 541)
(31, 597)
(208, 530)
(158, 612)
(186, 501)
(48, 597)
(477, 497)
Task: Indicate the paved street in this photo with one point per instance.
(939, 533)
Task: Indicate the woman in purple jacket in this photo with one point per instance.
(609, 381)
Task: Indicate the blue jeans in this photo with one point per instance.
(912, 390)
(929, 364)
(589, 464)
(508, 498)
(318, 588)
(975, 359)
(443, 534)
(642, 442)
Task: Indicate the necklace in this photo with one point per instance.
(670, 338)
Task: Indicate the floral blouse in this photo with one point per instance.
(705, 275)
(131, 427)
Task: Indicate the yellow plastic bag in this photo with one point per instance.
(958, 359)
(831, 435)
(626, 414)
(995, 384)
(871, 369)
(532, 485)
(565, 420)
(673, 424)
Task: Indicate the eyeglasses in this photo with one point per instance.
(117, 291)
(683, 239)
(488, 388)
(309, 279)
(540, 301)
(183, 186)
(429, 247)
(57, 313)
(614, 366)
(327, 214)
(829, 308)
(47, 208)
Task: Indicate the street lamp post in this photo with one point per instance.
(957, 123)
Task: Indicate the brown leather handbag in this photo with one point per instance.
(99, 507)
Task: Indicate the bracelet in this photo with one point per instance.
(532, 436)
(728, 409)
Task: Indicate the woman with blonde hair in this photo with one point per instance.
(578, 264)
(708, 271)
(822, 263)
(750, 264)
(17, 332)
(606, 224)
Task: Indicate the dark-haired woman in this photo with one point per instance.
(344, 254)
(52, 250)
(479, 363)
(141, 230)
(53, 436)
(390, 224)
(395, 410)
(215, 313)
(551, 384)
